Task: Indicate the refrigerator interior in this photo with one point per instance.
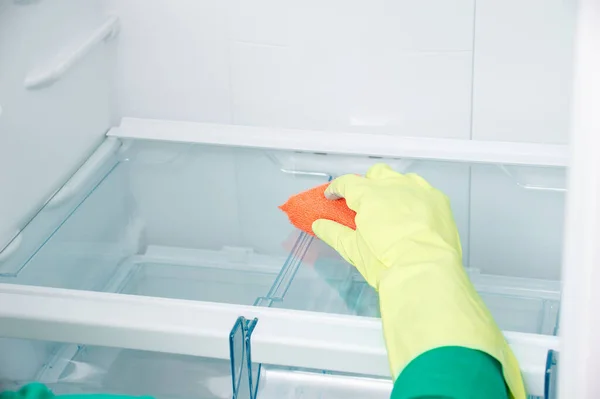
(201, 222)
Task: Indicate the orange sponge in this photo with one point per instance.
(304, 208)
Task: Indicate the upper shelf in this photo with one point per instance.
(213, 196)
(375, 145)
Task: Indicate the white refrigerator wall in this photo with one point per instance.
(46, 132)
(399, 67)
(523, 67)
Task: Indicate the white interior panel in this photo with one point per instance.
(172, 59)
(431, 25)
(399, 68)
(47, 132)
(522, 79)
(395, 68)
(366, 89)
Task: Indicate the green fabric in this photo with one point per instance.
(40, 391)
(451, 373)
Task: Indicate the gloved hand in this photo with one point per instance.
(407, 247)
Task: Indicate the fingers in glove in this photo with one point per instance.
(349, 187)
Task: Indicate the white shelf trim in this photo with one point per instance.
(364, 144)
(282, 337)
(53, 70)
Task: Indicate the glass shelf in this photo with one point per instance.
(201, 222)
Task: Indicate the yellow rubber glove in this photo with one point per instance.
(407, 247)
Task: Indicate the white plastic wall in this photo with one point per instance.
(523, 66)
(46, 133)
(482, 69)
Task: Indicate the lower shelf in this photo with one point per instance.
(76, 369)
(73, 369)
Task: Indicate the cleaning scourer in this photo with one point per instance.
(304, 208)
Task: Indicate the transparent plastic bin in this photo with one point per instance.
(201, 222)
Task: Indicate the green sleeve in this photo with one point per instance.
(451, 373)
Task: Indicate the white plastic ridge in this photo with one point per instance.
(56, 68)
(365, 144)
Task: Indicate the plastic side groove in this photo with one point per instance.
(107, 149)
(10, 248)
(57, 67)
